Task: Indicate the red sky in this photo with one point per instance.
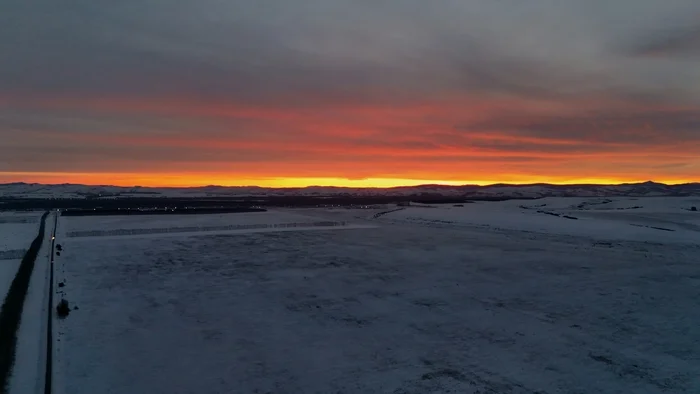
(387, 95)
(181, 142)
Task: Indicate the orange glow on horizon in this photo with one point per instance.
(197, 180)
(453, 140)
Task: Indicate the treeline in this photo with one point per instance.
(11, 313)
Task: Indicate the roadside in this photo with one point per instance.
(18, 298)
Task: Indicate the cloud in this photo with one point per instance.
(636, 126)
(330, 50)
(351, 88)
(672, 41)
(444, 138)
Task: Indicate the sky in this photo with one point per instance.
(349, 92)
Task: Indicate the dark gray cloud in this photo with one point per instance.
(343, 50)
(672, 41)
(644, 126)
(554, 70)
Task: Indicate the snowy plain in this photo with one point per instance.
(8, 269)
(29, 369)
(189, 225)
(663, 219)
(500, 297)
(107, 223)
(17, 231)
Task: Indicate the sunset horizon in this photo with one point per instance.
(326, 196)
(195, 181)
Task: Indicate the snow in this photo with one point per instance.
(24, 190)
(73, 224)
(8, 269)
(622, 219)
(159, 233)
(17, 231)
(190, 225)
(29, 369)
(522, 302)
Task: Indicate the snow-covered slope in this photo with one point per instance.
(647, 189)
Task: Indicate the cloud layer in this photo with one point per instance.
(446, 90)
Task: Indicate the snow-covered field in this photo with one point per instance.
(188, 225)
(487, 298)
(29, 369)
(107, 223)
(8, 269)
(652, 219)
(17, 231)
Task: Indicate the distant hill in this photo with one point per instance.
(500, 191)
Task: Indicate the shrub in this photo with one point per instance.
(63, 309)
